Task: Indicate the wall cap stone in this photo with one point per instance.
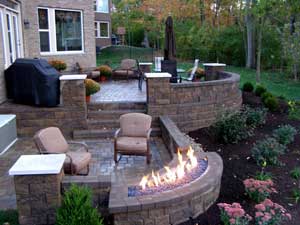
(157, 75)
(73, 77)
(38, 164)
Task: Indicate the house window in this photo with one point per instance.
(101, 6)
(101, 29)
(60, 31)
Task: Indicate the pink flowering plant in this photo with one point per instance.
(233, 214)
(270, 213)
(259, 190)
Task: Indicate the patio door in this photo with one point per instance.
(12, 39)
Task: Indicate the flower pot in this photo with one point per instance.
(87, 99)
(102, 78)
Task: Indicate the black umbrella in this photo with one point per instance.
(170, 46)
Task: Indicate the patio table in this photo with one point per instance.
(178, 70)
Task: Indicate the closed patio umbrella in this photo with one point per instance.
(170, 46)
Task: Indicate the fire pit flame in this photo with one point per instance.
(171, 175)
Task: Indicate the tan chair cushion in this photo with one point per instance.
(80, 161)
(51, 140)
(127, 64)
(124, 72)
(135, 124)
(132, 144)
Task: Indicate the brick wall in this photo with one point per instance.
(71, 114)
(193, 105)
(31, 34)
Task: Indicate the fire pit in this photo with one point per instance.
(172, 202)
(188, 169)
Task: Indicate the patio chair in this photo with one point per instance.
(192, 75)
(128, 68)
(51, 141)
(133, 137)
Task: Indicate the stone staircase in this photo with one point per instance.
(103, 119)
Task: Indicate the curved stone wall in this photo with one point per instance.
(193, 105)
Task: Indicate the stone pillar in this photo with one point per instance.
(212, 70)
(158, 93)
(37, 181)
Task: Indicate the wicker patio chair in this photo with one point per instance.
(51, 141)
(133, 137)
(128, 68)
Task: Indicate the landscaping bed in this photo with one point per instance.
(240, 165)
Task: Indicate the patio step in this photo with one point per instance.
(117, 106)
(111, 114)
(102, 133)
(109, 124)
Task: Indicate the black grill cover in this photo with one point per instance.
(33, 82)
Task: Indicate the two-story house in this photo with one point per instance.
(103, 22)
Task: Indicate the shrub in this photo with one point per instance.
(267, 151)
(263, 176)
(259, 90)
(9, 216)
(295, 173)
(294, 110)
(199, 72)
(91, 87)
(231, 128)
(269, 213)
(255, 116)
(233, 214)
(105, 70)
(259, 190)
(77, 208)
(58, 64)
(266, 95)
(272, 103)
(285, 134)
(296, 195)
(248, 87)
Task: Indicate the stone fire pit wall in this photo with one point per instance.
(192, 105)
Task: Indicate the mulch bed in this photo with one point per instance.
(239, 165)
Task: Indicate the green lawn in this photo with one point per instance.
(276, 83)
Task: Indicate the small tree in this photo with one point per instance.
(77, 208)
(292, 47)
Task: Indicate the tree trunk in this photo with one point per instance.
(202, 11)
(295, 72)
(250, 37)
(258, 63)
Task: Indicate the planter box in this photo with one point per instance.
(8, 132)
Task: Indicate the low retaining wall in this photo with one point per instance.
(71, 114)
(193, 105)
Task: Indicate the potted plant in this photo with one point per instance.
(199, 74)
(105, 72)
(91, 87)
(59, 65)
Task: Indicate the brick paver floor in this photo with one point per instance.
(120, 91)
(102, 164)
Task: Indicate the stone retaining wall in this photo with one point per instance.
(71, 114)
(193, 105)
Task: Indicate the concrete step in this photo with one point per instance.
(105, 133)
(111, 114)
(117, 106)
(102, 124)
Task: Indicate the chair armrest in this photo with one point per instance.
(80, 143)
(149, 133)
(117, 133)
(71, 163)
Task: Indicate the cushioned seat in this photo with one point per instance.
(137, 144)
(51, 141)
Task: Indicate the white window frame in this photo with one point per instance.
(4, 10)
(99, 30)
(98, 11)
(52, 32)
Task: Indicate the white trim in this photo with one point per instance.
(52, 32)
(99, 30)
(8, 146)
(4, 38)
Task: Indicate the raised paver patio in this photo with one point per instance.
(102, 164)
(120, 91)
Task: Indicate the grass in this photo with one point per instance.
(276, 83)
(9, 216)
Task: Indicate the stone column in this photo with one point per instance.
(37, 181)
(212, 70)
